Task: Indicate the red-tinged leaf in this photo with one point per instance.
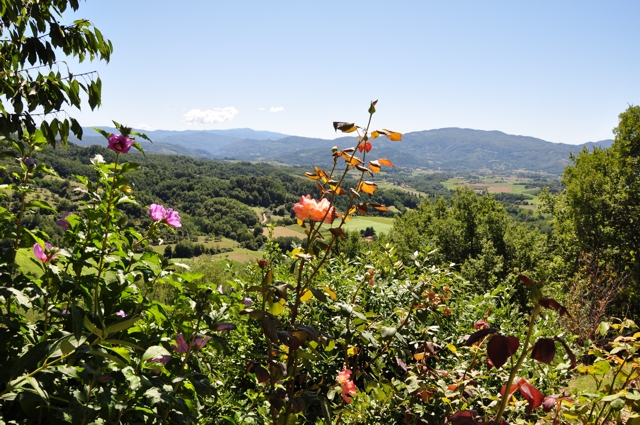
(367, 187)
(254, 314)
(379, 207)
(385, 161)
(544, 350)
(572, 356)
(463, 417)
(262, 375)
(553, 304)
(500, 348)
(337, 232)
(402, 364)
(533, 396)
(322, 189)
(425, 395)
(362, 209)
(224, 327)
(366, 146)
(375, 166)
(480, 324)
(511, 391)
(476, 336)
(312, 176)
(345, 127)
(353, 192)
(364, 169)
(526, 280)
(548, 404)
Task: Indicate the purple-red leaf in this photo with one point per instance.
(526, 280)
(551, 303)
(544, 350)
(533, 396)
(463, 417)
(224, 327)
(572, 356)
(500, 348)
(402, 364)
(476, 336)
(548, 403)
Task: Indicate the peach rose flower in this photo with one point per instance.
(347, 385)
(313, 210)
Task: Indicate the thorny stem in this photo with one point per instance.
(514, 369)
(23, 198)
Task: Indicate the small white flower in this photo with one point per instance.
(98, 159)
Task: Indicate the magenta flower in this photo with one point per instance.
(173, 218)
(200, 342)
(197, 344)
(157, 212)
(63, 222)
(181, 345)
(120, 143)
(121, 313)
(45, 255)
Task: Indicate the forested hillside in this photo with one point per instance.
(216, 198)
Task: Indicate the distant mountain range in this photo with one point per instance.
(445, 149)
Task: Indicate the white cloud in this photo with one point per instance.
(262, 109)
(276, 109)
(210, 116)
(145, 127)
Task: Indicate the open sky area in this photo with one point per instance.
(559, 71)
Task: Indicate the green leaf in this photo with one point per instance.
(36, 386)
(601, 367)
(107, 356)
(120, 326)
(40, 204)
(30, 360)
(91, 327)
(20, 297)
(154, 352)
(77, 321)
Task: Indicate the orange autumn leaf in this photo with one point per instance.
(375, 134)
(418, 356)
(312, 176)
(364, 169)
(374, 166)
(391, 135)
(385, 161)
(352, 210)
(379, 207)
(367, 187)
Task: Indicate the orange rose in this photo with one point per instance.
(313, 210)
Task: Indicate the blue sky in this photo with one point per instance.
(560, 71)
